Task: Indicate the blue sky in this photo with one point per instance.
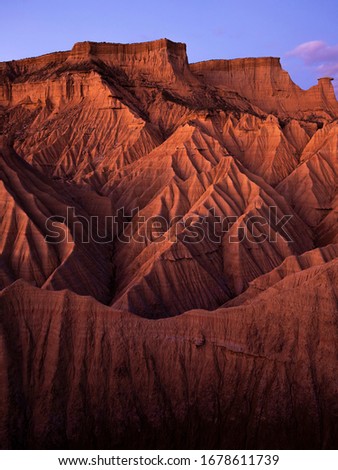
(211, 29)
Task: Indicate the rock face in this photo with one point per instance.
(267, 85)
(163, 61)
(135, 186)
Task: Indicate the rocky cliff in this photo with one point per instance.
(168, 252)
(162, 62)
(267, 85)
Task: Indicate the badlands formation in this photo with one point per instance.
(166, 341)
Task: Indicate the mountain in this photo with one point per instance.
(168, 252)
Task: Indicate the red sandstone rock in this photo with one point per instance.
(268, 86)
(250, 358)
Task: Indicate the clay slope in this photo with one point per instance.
(193, 181)
(312, 186)
(33, 208)
(291, 265)
(204, 192)
(245, 377)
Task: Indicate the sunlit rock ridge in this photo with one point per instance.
(226, 341)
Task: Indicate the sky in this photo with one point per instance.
(303, 33)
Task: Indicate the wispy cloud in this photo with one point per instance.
(315, 52)
(319, 56)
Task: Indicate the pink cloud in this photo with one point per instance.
(328, 69)
(315, 52)
(319, 56)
